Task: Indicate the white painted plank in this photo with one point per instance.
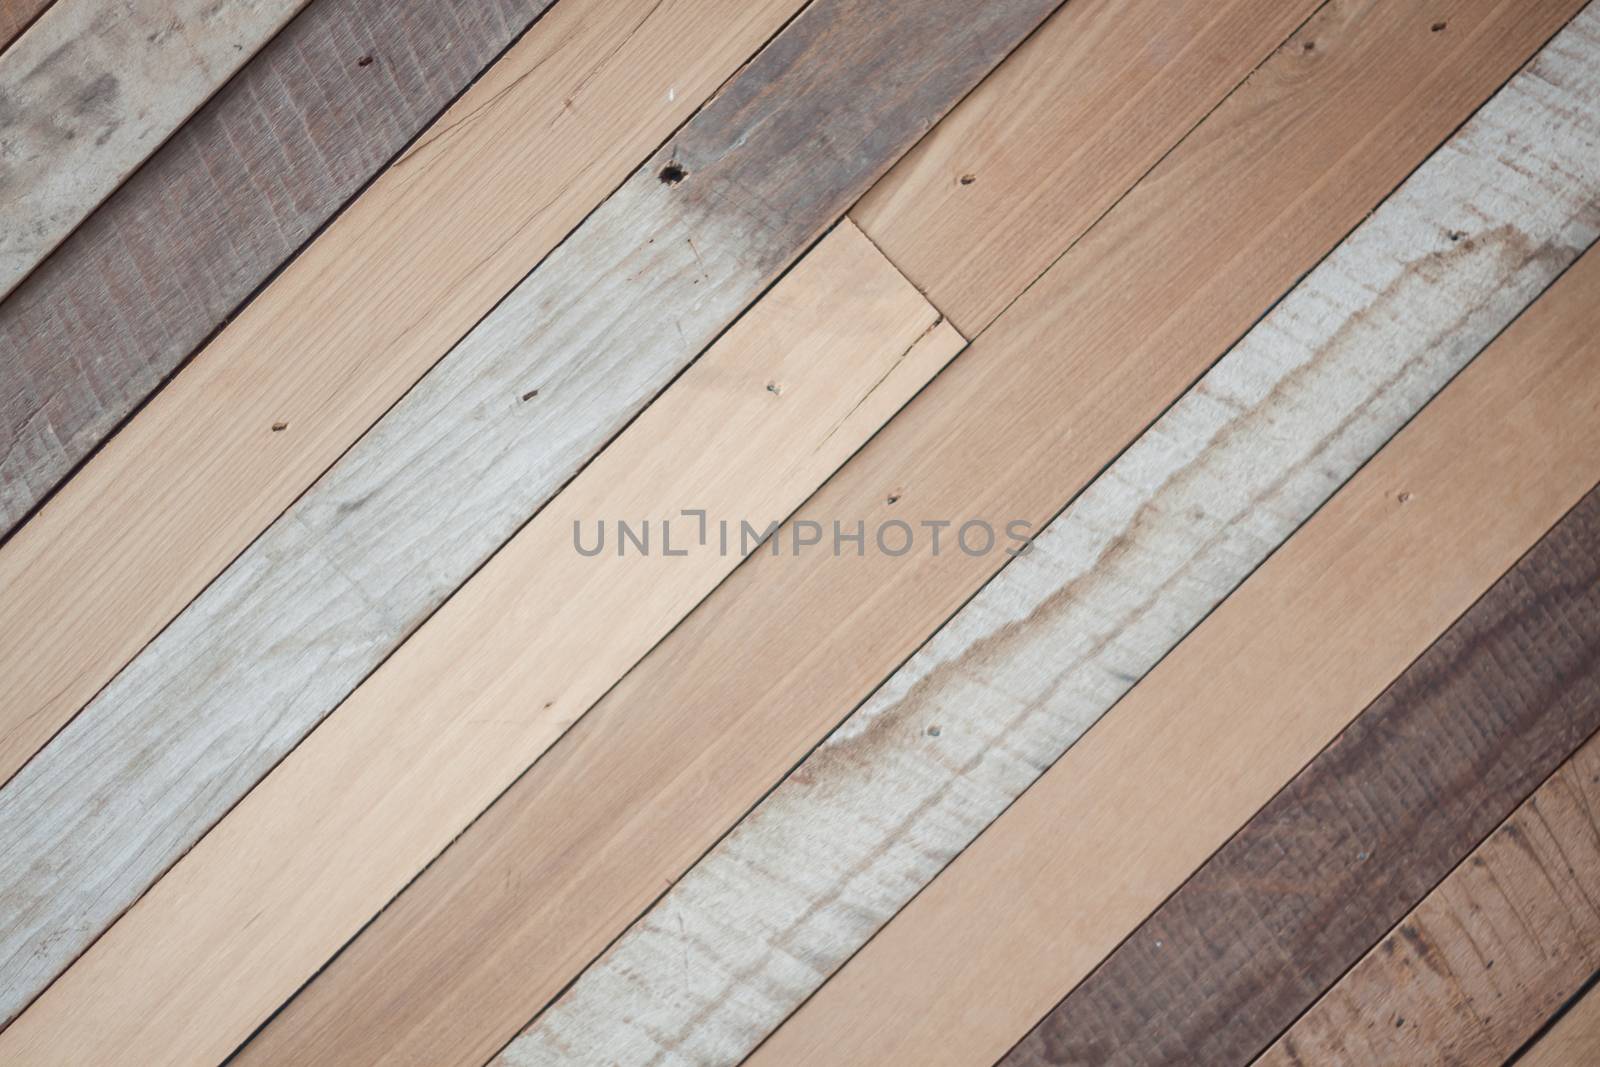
(92, 88)
(1139, 559)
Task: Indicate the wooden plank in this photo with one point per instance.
(1208, 736)
(227, 200)
(352, 323)
(498, 673)
(16, 16)
(1109, 587)
(1361, 835)
(1090, 103)
(1475, 969)
(91, 89)
(650, 779)
(332, 588)
(1575, 1038)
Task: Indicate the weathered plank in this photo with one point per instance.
(1226, 719)
(520, 651)
(352, 323)
(226, 201)
(1110, 586)
(739, 693)
(1088, 104)
(91, 89)
(332, 588)
(1361, 835)
(1575, 1038)
(1478, 966)
(16, 16)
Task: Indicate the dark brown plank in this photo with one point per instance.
(1359, 836)
(1477, 968)
(236, 192)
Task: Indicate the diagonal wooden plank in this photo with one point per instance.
(1207, 737)
(1361, 835)
(499, 426)
(16, 16)
(1089, 104)
(91, 89)
(1575, 1037)
(225, 202)
(500, 671)
(1108, 588)
(352, 323)
(1478, 966)
(647, 782)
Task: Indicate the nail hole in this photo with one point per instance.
(894, 498)
(774, 388)
(364, 61)
(279, 427)
(672, 174)
(529, 395)
(1404, 498)
(968, 179)
(1310, 46)
(1439, 27)
(1456, 235)
(934, 731)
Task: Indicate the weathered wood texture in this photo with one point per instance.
(340, 335)
(226, 201)
(16, 16)
(738, 694)
(1485, 959)
(1362, 834)
(1088, 104)
(1574, 1039)
(339, 582)
(522, 650)
(91, 89)
(1226, 719)
(1109, 587)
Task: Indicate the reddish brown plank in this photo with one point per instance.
(16, 16)
(1358, 837)
(1477, 968)
(238, 189)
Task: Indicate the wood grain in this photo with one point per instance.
(351, 324)
(1208, 736)
(737, 695)
(497, 674)
(1109, 587)
(91, 89)
(1575, 1038)
(505, 420)
(236, 191)
(1478, 966)
(16, 16)
(1089, 104)
(1361, 835)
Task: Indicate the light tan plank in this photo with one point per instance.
(1479, 965)
(350, 325)
(94, 87)
(494, 677)
(1224, 721)
(1108, 588)
(1053, 138)
(1574, 1039)
(16, 15)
